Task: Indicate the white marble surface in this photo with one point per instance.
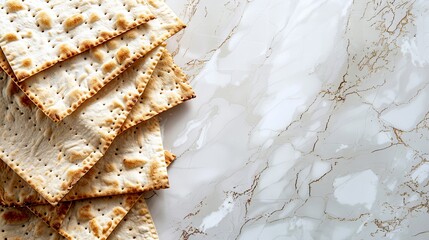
(311, 121)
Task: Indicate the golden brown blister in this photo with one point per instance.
(61, 89)
(35, 35)
(63, 153)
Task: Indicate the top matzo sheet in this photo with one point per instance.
(35, 35)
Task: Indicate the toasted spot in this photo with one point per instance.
(22, 74)
(65, 50)
(85, 44)
(95, 227)
(144, 16)
(112, 44)
(143, 212)
(74, 175)
(110, 121)
(75, 94)
(15, 216)
(111, 182)
(73, 21)
(108, 226)
(133, 163)
(153, 3)
(123, 54)
(127, 98)
(27, 62)
(61, 210)
(28, 34)
(153, 169)
(77, 155)
(82, 77)
(85, 213)
(97, 54)
(121, 21)
(131, 34)
(44, 20)
(117, 211)
(94, 82)
(152, 38)
(131, 3)
(105, 35)
(14, 5)
(46, 65)
(25, 101)
(130, 200)
(10, 37)
(93, 17)
(109, 167)
(107, 123)
(109, 66)
(84, 181)
(116, 105)
(88, 176)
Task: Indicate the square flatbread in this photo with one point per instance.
(62, 153)
(61, 89)
(38, 34)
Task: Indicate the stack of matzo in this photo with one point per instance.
(81, 85)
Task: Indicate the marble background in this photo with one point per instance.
(311, 121)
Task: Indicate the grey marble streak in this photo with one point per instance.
(311, 121)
